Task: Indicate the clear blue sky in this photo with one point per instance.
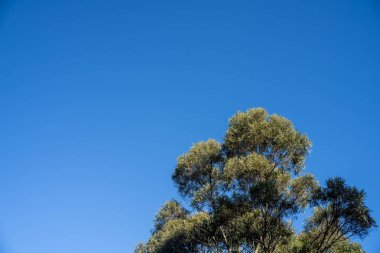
(98, 98)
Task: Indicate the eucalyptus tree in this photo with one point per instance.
(246, 191)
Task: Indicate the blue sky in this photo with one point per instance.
(98, 98)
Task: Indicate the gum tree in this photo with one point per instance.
(246, 191)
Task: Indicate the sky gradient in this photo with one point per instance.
(98, 99)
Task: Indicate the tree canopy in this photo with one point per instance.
(246, 191)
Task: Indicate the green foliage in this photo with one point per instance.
(340, 213)
(171, 210)
(346, 246)
(197, 174)
(272, 136)
(141, 248)
(246, 191)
